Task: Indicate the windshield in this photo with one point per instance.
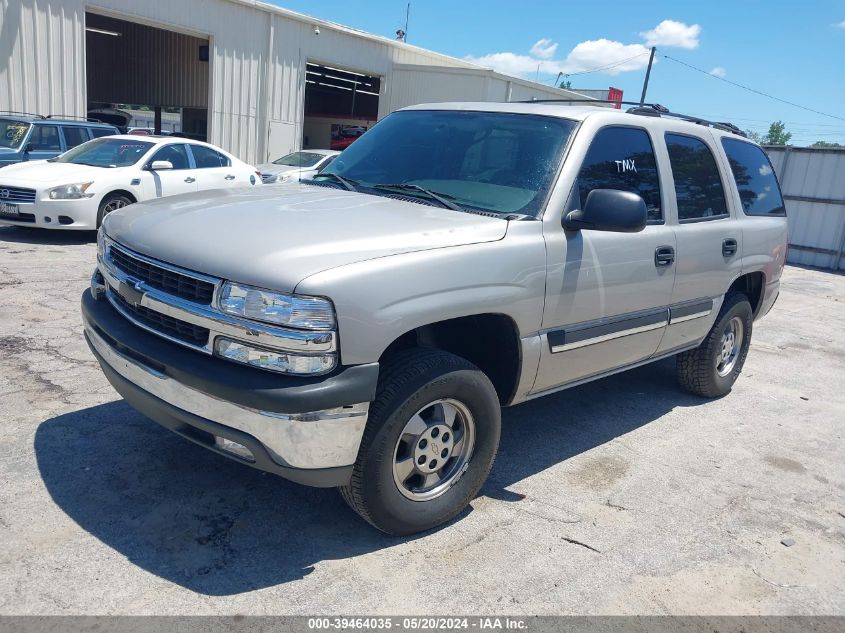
(12, 133)
(106, 152)
(299, 159)
(490, 161)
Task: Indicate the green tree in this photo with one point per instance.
(754, 136)
(777, 134)
(825, 144)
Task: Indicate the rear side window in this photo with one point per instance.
(755, 178)
(97, 132)
(698, 186)
(45, 137)
(74, 135)
(205, 157)
(622, 158)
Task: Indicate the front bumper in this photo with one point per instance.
(307, 430)
(70, 215)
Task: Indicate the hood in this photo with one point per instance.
(275, 240)
(38, 172)
(272, 168)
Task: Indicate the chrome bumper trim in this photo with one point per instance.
(317, 439)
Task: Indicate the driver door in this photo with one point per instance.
(169, 182)
(607, 293)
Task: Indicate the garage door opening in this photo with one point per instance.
(141, 76)
(340, 105)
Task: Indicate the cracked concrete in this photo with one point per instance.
(625, 496)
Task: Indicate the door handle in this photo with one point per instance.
(664, 256)
(230, 177)
(729, 247)
(190, 179)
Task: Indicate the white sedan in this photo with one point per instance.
(298, 165)
(78, 188)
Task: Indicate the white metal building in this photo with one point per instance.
(251, 77)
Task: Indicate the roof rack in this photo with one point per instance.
(651, 109)
(37, 116)
(72, 117)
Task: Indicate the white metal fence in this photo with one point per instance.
(813, 184)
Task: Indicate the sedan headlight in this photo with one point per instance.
(279, 308)
(70, 192)
(274, 360)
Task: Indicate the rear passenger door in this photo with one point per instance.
(607, 293)
(74, 135)
(214, 170)
(709, 241)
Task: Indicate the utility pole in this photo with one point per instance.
(647, 75)
(407, 15)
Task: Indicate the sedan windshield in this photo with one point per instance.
(12, 133)
(299, 159)
(490, 161)
(106, 152)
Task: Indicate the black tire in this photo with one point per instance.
(698, 368)
(111, 200)
(409, 382)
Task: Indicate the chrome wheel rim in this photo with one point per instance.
(114, 205)
(730, 346)
(434, 449)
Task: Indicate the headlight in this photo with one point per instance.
(312, 313)
(101, 243)
(284, 362)
(70, 192)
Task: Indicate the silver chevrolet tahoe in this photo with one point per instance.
(364, 329)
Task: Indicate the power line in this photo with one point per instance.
(763, 94)
(606, 66)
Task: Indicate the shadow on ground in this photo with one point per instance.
(220, 528)
(48, 237)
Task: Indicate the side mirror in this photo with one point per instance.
(609, 210)
(159, 165)
(29, 148)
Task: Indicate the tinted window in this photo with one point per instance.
(299, 159)
(494, 161)
(97, 132)
(698, 186)
(755, 178)
(176, 154)
(106, 152)
(45, 137)
(207, 157)
(621, 158)
(328, 162)
(12, 132)
(74, 135)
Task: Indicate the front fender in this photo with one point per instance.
(380, 299)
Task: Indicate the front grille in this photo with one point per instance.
(19, 217)
(166, 325)
(162, 278)
(16, 194)
(265, 178)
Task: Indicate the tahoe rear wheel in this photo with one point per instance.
(111, 202)
(429, 444)
(711, 369)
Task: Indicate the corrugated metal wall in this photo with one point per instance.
(256, 69)
(813, 184)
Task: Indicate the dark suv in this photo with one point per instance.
(35, 137)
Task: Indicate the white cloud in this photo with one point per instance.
(718, 72)
(765, 170)
(544, 48)
(672, 33)
(841, 25)
(585, 56)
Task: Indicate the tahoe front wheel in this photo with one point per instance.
(429, 444)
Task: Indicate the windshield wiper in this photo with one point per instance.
(346, 182)
(442, 198)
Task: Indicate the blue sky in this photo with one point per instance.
(792, 50)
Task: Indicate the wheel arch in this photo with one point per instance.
(489, 340)
(750, 284)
